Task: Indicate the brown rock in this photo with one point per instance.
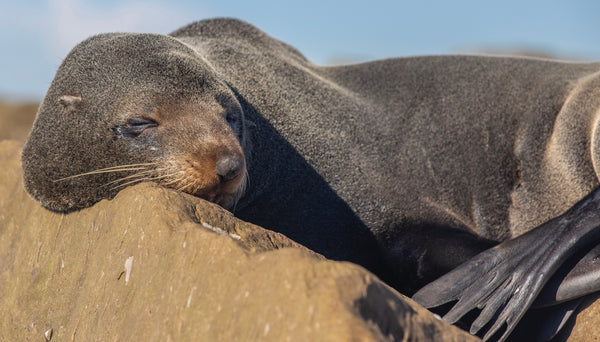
(157, 265)
(587, 327)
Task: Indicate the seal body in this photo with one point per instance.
(489, 145)
(406, 166)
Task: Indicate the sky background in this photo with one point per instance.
(36, 35)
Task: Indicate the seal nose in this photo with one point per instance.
(229, 167)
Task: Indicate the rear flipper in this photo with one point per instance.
(547, 323)
(504, 281)
(577, 277)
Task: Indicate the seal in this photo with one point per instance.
(408, 166)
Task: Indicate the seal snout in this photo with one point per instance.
(229, 167)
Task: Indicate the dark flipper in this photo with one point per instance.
(576, 278)
(547, 324)
(503, 281)
(557, 319)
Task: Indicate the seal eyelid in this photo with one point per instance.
(133, 127)
(142, 122)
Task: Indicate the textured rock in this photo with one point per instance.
(157, 265)
(586, 326)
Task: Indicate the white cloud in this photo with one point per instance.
(71, 21)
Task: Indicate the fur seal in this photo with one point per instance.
(407, 166)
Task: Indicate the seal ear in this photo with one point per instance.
(69, 101)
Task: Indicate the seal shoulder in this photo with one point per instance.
(217, 28)
(234, 29)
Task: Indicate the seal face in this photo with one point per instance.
(204, 158)
(171, 120)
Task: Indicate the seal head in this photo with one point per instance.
(126, 108)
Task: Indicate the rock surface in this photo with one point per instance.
(157, 265)
(586, 327)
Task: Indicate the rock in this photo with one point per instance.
(586, 327)
(157, 265)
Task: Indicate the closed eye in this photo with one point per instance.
(142, 123)
(133, 127)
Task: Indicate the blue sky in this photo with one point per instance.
(36, 35)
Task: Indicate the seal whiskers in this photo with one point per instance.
(184, 184)
(137, 174)
(241, 191)
(132, 182)
(137, 178)
(146, 175)
(118, 168)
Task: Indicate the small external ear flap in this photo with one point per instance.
(69, 101)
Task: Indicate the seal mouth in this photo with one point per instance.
(227, 193)
(223, 185)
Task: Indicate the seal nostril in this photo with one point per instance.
(228, 167)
